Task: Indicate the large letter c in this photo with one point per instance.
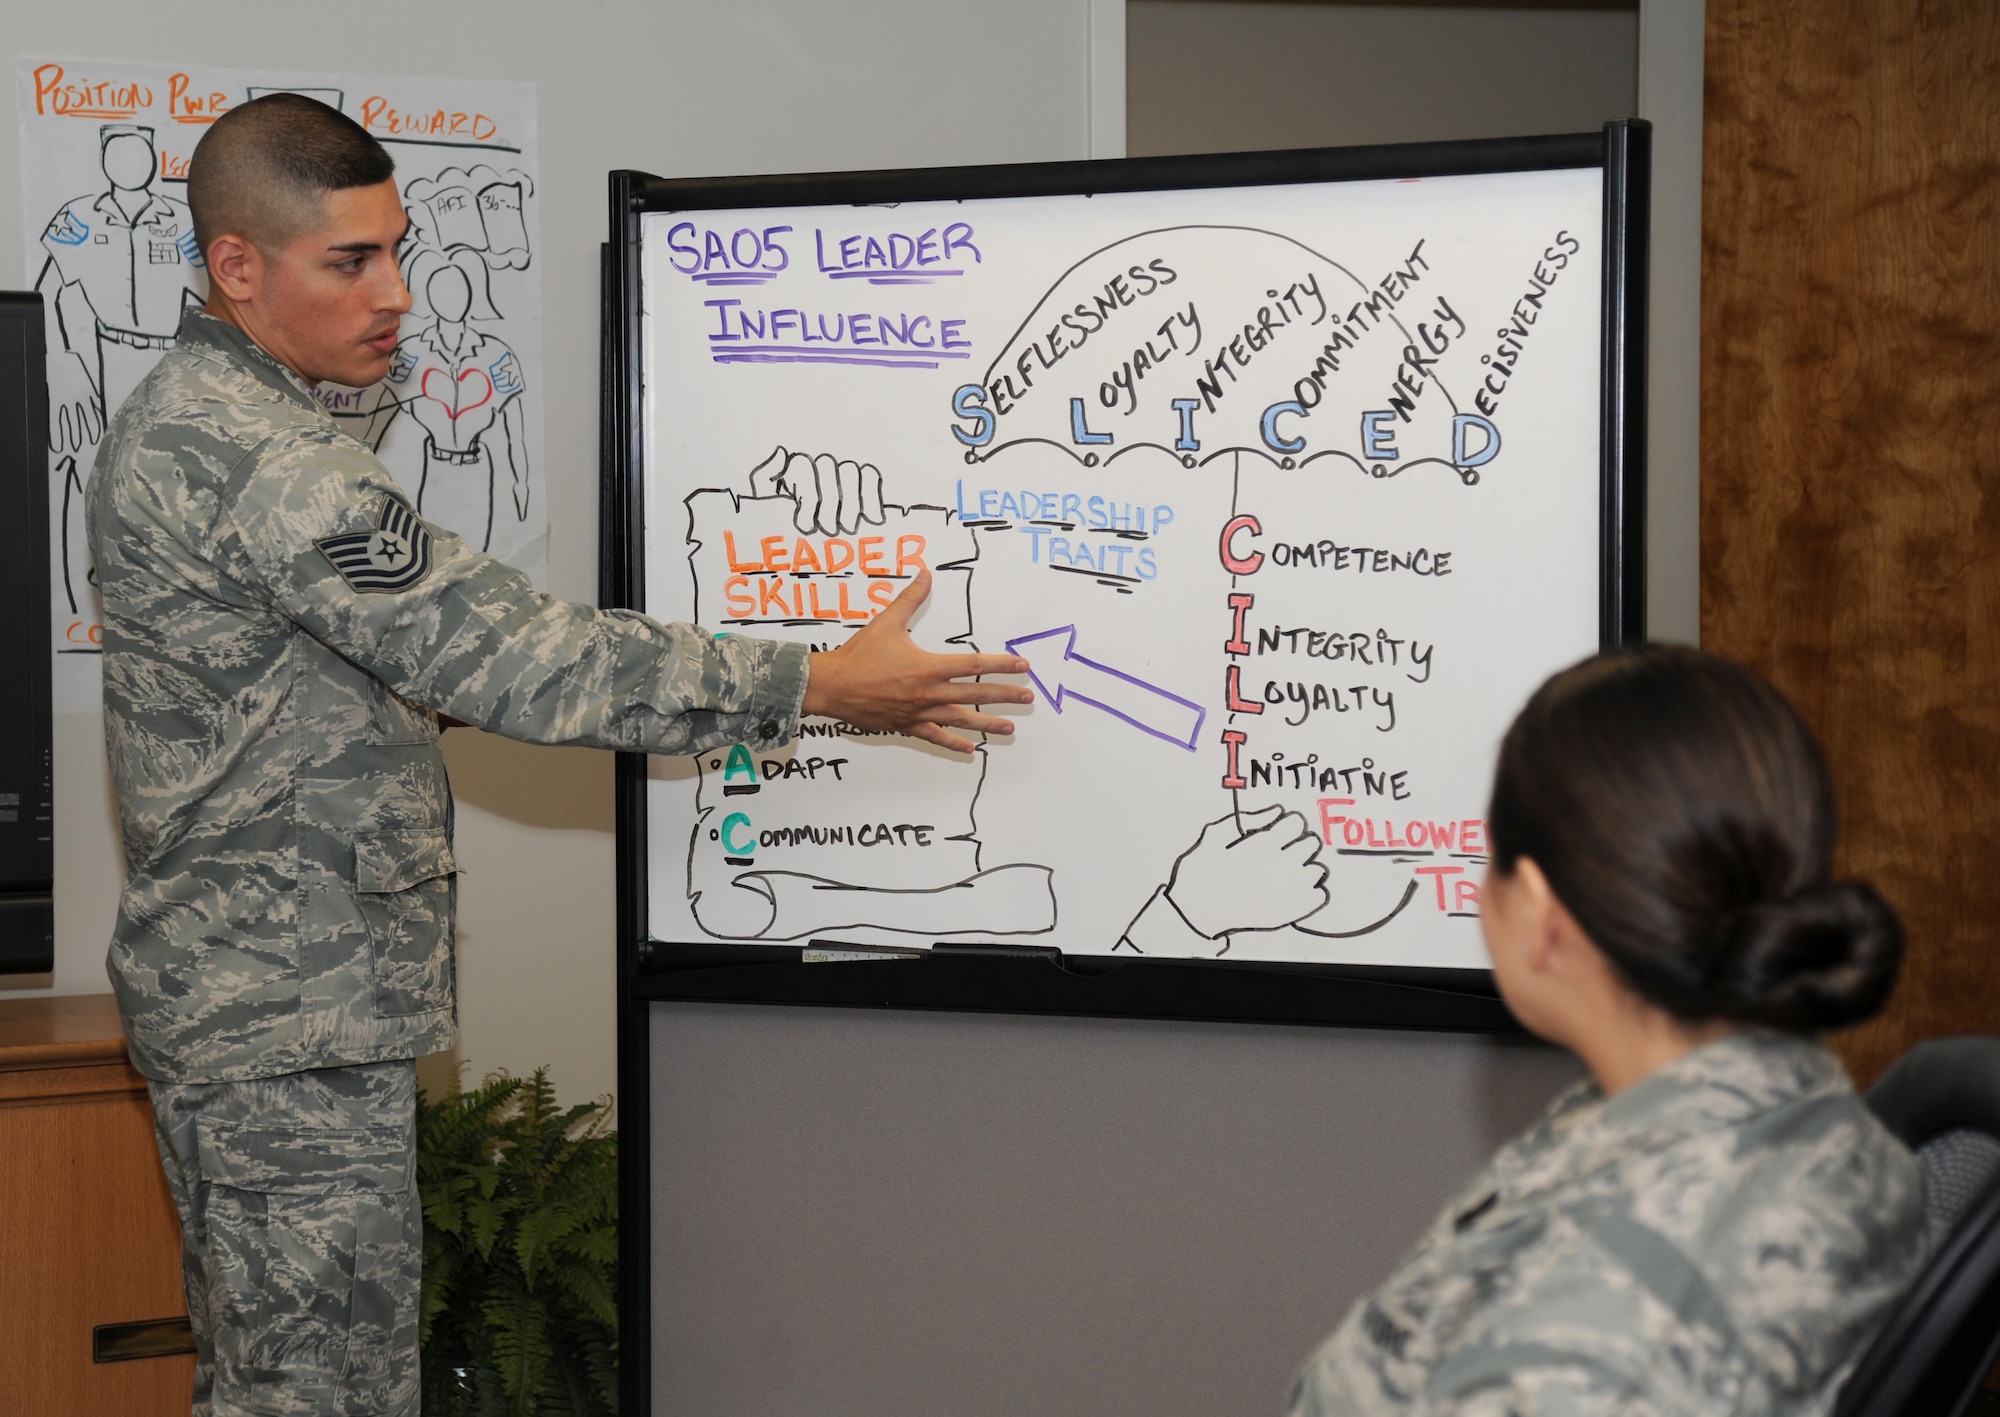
(729, 825)
(1231, 562)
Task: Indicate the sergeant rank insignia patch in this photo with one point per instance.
(392, 557)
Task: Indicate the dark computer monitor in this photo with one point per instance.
(27, 774)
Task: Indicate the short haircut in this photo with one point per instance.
(261, 170)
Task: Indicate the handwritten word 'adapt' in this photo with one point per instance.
(740, 773)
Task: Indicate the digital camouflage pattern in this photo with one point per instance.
(1722, 1237)
(301, 1239)
(269, 705)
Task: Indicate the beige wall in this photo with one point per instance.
(678, 88)
(1231, 75)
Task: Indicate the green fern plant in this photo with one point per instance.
(520, 1314)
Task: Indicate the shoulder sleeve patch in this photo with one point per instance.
(393, 557)
(506, 375)
(66, 230)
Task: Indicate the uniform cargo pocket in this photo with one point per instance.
(404, 883)
(296, 1220)
(304, 1160)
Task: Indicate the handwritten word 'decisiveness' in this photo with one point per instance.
(382, 118)
(793, 336)
(1513, 336)
(782, 583)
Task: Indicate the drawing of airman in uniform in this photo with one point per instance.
(129, 255)
(122, 265)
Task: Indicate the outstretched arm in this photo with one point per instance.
(318, 525)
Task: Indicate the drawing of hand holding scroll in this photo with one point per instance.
(1257, 871)
(847, 828)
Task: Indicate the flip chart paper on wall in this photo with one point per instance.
(1290, 491)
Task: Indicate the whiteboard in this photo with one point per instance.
(1290, 492)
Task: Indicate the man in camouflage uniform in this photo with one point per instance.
(1724, 1236)
(281, 633)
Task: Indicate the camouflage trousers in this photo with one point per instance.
(301, 1239)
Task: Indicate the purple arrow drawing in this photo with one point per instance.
(1147, 707)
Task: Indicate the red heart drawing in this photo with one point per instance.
(452, 406)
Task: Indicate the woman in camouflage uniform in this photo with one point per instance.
(1712, 1223)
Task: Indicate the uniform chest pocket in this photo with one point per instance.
(405, 885)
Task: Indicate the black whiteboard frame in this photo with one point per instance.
(1026, 979)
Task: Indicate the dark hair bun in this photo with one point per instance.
(1683, 813)
(1821, 958)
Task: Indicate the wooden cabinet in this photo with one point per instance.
(88, 1235)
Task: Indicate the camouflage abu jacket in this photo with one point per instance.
(278, 630)
(1721, 1238)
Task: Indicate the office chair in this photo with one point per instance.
(1942, 1099)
